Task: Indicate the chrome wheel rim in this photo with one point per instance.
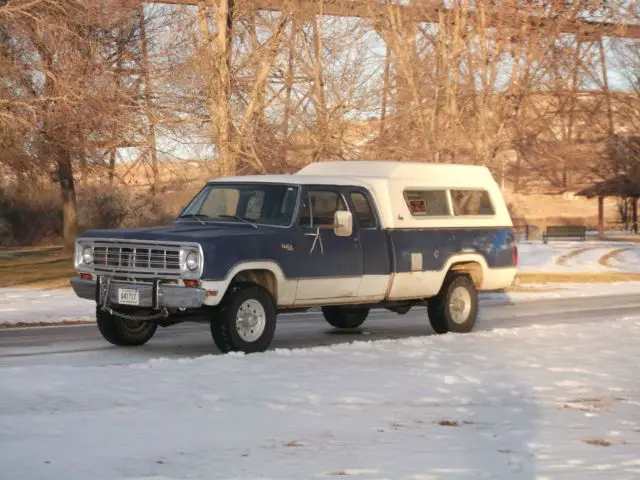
(251, 319)
(460, 305)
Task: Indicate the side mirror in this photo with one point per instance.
(343, 223)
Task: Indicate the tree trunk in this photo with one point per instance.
(635, 214)
(322, 134)
(224, 24)
(112, 165)
(69, 206)
(148, 101)
(385, 93)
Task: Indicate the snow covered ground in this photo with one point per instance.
(538, 402)
(556, 400)
(572, 256)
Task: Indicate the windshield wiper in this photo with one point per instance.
(242, 219)
(196, 216)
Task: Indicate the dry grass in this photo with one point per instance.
(601, 442)
(47, 267)
(448, 423)
(529, 288)
(576, 277)
(44, 324)
(294, 443)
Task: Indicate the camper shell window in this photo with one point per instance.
(427, 203)
(435, 203)
(471, 202)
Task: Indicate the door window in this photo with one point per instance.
(319, 206)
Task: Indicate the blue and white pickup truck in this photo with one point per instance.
(343, 236)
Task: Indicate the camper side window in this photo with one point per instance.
(471, 202)
(427, 203)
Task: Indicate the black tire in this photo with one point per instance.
(225, 329)
(124, 333)
(342, 317)
(443, 317)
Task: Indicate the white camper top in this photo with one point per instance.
(437, 174)
(388, 180)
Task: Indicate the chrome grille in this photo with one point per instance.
(136, 259)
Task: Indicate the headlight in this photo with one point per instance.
(87, 255)
(192, 261)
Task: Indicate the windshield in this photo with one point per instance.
(259, 203)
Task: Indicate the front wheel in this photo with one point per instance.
(342, 317)
(246, 322)
(124, 333)
(455, 308)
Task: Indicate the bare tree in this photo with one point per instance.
(61, 87)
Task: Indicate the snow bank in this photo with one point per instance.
(537, 402)
(30, 305)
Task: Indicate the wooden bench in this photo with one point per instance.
(565, 231)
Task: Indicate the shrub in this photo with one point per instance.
(30, 218)
(113, 207)
(104, 208)
(33, 215)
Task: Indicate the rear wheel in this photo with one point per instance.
(124, 333)
(344, 317)
(246, 321)
(455, 308)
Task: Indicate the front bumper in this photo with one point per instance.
(169, 296)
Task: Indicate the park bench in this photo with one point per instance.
(565, 231)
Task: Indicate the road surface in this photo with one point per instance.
(83, 345)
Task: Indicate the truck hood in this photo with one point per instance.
(177, 232)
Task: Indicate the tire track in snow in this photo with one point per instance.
(565, 257)
(612, 255)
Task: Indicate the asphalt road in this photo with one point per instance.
(83, 345)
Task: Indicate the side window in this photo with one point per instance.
(363, 210)
(319, 206)
(471, 202)
(427, 203)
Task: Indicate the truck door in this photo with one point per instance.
(328, 266)
(374, 244)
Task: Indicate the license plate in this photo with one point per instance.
(128, 297)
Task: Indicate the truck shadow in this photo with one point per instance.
(311, 331)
